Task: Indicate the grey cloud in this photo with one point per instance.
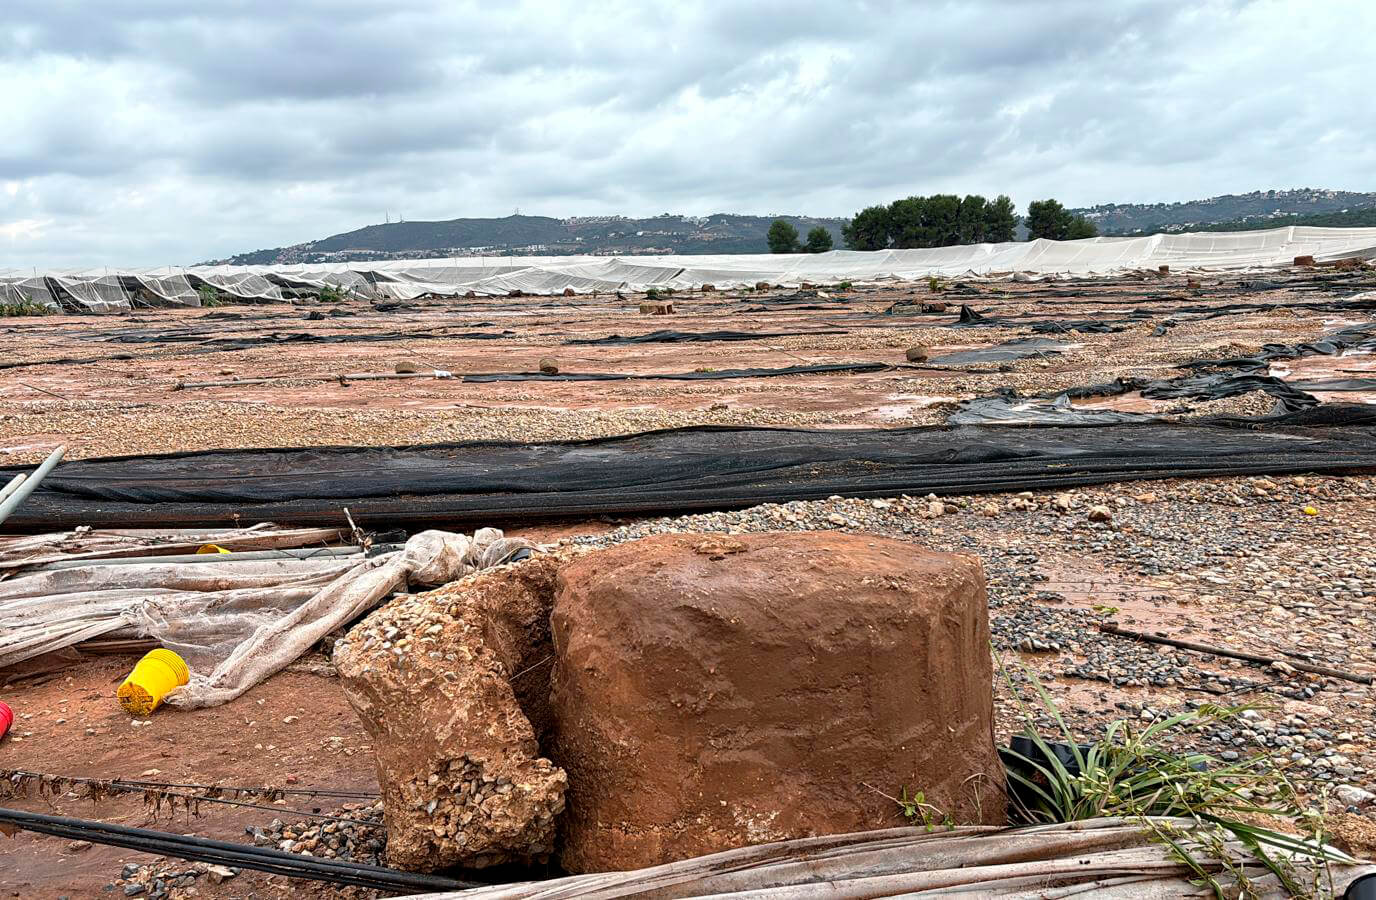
(168, 132)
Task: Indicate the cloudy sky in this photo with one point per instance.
(166, 132)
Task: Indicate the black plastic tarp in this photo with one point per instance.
(1013, 410)
(703, 375)
(1217, 387)
(1022, 348)
(1007, 407)
(677, 470)
(1352, 338)
(206, 343)
(668, 336)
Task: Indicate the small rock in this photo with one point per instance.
(1100, 513)
(79, 846)
(549, 365)
(217, 874)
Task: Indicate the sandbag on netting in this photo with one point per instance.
(706, 467)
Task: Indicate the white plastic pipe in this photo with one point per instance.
(23, 489)
(13, 484)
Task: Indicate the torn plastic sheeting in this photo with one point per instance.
(667, 336)
(1007, 408)
(20, 552)
(1335, 384)
(1203, 387)
(806, 296)
(1084, 326)
(1114, 858)
(1217, 387)
(1361, 338)
(712, 375)
(1037, 411)
(235, 623)
(20, 290)
(1038, 324)
(1022, 348)
(677, 470)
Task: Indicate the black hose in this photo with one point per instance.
(261, 859)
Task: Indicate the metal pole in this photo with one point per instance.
(22, 491)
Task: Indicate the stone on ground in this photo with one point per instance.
(431, 677)
(716, 692)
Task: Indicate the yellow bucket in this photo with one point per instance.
(153, 677)
(211, 548)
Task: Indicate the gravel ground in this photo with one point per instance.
(126, 403)
(1284, 567)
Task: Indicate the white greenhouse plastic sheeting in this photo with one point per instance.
(234, 621)
(1106, 858)
(112, 290)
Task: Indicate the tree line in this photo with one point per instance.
(783, 238)
(941, 220)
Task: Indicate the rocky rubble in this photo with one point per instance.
(431, 676)
(167, 880)
(362, 838)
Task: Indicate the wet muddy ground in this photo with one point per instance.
(1228, 561)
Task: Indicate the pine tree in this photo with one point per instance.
(782, 237)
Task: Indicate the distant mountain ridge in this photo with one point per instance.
(1253, 210)
(518, 235)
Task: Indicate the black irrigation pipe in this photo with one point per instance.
(259, 859)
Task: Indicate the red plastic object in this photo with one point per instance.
(6, 718)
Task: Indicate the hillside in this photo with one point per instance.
(1259, 209)
(1351, 218)
(519, 235)
(542, 236)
